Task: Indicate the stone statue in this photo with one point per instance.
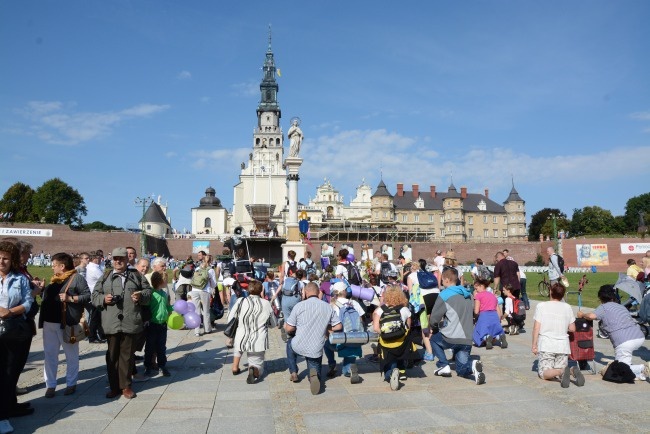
(295, 136)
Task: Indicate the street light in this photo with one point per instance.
(553, 217)
(143, 232)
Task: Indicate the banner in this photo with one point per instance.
(25, 232)
(197, 246)
(634, 248)
(592, 254)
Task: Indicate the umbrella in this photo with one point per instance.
(626, 284)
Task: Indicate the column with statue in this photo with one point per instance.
(292, 164)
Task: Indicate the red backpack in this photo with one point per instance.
(518, 307)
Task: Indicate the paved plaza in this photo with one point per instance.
(202, 396)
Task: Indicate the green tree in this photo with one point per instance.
(592, 220)
(541, 218)
(17, 201)
(99, 226)
(57, 202)
(632, 208)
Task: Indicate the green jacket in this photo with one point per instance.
(159, 306)
(126, 316)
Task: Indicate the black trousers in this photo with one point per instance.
(119, 359)
(95, 323)
(156, 343)
(14, 344)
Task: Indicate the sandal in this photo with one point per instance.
(236, 372)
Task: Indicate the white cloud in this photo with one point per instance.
(641, 116)
(218, 158)
(57, 123)
(171, 154)
(184, 75)
(246, 89)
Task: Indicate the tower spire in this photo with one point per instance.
(269, 38)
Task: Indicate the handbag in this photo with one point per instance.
(231, 328)
(75, 333)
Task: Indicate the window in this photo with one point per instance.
(457, 228)
(416, 218)
(148, 227)
(457, 215)
(505, 219)
(512, 218)
(496, 233)
(442, 219)
(470, 220)
(471, 233)
(494, 219)
(385, 201)
(481, 205)
(385, 214)
(405, 218)
(442, 232)
(484, 219)
(207, 223)
(376, 215)
(486, 233)
(519, 206)
(430, 218)
(505, 232)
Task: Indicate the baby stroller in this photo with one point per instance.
(636, 291)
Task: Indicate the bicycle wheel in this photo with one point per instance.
(544, 288)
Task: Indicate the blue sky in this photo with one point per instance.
(125, 99)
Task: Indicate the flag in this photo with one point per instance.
(279, 75)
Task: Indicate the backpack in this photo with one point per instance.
(518, 308)
(560, 263)
(485, 273)
(225, 269)
(427, 280)
(291, 270)
(383, 272)
(350, 318)
(391, 326)
(619, 372)
(200, 278)
(311, 267)
(290, 287)
(353, 274)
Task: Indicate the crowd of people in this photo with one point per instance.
(126, 304)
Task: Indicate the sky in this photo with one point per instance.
(129, 99)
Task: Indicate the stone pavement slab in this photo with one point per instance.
(203, 396)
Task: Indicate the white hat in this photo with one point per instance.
(339, 287)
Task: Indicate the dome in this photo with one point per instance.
(210, 200)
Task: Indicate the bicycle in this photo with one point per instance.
(544, 287)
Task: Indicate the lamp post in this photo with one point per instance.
(143, 232)
(553, 217)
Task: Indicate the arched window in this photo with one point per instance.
(207, 223)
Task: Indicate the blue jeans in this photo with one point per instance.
(287, 304)
(461, 354)
(388, 369)
(331, 358)
(524, 295)
(312, 362)
(156, 343)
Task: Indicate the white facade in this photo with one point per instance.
(330, 202)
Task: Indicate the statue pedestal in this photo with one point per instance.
(294, 242)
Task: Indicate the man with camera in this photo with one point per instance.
(120, 297)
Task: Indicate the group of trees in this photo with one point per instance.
(53, 202)
(592, 220)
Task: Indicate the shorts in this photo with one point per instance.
(551, 361)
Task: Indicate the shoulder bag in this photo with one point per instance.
(75, 333)
(231, 328)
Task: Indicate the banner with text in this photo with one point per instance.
(592, 254)
(25, 232)
(634, 248)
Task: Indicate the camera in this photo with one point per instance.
(117, 299)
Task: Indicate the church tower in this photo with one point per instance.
(516, 213)
(261, 194)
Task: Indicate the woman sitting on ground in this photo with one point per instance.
(624, 332)
(252, 332)
(550, 339)
(488, 325)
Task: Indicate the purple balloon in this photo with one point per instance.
(180, 307)
(192, 320)
(190, 307)
(350, 257)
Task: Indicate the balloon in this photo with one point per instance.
(190, 308)
(180, 307)
(175, 321)
(192, 320)
(350, 257)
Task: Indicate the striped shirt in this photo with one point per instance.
(618, 323)
(311, 319)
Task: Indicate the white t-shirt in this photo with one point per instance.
(439, 261)
(404, 312)
(341, 270)
(554, 318)
(337, 306)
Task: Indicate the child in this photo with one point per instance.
(157, 330)
(515, 321)
(488, 325)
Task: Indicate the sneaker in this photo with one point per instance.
(445, 371)
(251, 376)
(504, 342)
(488, 342)
(5, 427)
(197, 334)
(294, 377)
(354, 374)
(402, 375)
(516, 330)
(565, 380)
(577, 374)
(332, 372)
(139, 378)
(428, 357)
(394, 379)
(477, 371)
(165, 372)
(314, 382)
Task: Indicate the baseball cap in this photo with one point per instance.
(119, 251)
(339, 287)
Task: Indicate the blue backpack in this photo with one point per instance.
(351, 321)
(427, 280)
